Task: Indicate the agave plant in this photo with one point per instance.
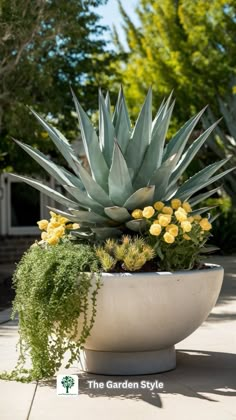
(131, 167)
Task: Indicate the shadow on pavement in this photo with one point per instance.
(199, 374)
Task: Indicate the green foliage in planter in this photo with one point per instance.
(53, 291)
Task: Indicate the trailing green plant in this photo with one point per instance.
(130, 254)
(56, 288)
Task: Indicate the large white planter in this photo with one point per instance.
(141, 316)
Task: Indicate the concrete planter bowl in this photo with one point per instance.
(141, 316)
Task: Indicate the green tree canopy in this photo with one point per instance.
(44, 47)
(185, 45)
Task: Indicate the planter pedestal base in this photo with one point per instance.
(128, 363)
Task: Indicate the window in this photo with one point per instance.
(21, 207)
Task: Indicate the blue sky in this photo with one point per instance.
(110, 14)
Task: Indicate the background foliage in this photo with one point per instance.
(44, 47)
(182, 45)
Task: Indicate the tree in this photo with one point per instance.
(185, 45)
(67, 382)
(45, 47)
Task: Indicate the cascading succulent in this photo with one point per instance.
(131, 167)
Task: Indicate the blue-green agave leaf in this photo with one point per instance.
(141, 198)
(91, 217)
(118, 214)
(209, 248)
(106, 130)
(103, 233)
(82, 216)
(60, 142)
(161, 113)
(153, 155)
(57, 172)
(190, 153)
(201, 210)
(179, 141)
(122, 128)
(47, 191)
(93, 189)
(93, 152)
(200, 197)
(74, 180)
(69, 216)
(188, 193)
(213, 218)
(161, 176)
(84, 200)
(141, 135)
(108, 102)
(201, 176)
(138, 225)
(121, 102)
(120, 185)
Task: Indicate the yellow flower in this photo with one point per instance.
(175, 203)
(42, 224)
(186, 226)
(172, 229)
(169, 238)
(158, 205)
(59, 231)
(52, 226)
(180, 215)
(190, 219)
(44, 236)
(167, 210)
(197, 217)
(155, 229)
(186, 206)
(62, 220)
(137, 214)
(182, 209)
(148, 212)
(76, 226)
(69, 226)
(205, 224)
(52, 240)
(52, 214)
(164, 219)
(185, 236)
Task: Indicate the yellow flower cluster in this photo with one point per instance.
(174, 219)
(55, 229)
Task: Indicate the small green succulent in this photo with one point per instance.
(131, 167)
(131, 253)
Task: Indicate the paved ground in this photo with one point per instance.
(202, 387)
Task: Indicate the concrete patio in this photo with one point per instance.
(202, 387)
